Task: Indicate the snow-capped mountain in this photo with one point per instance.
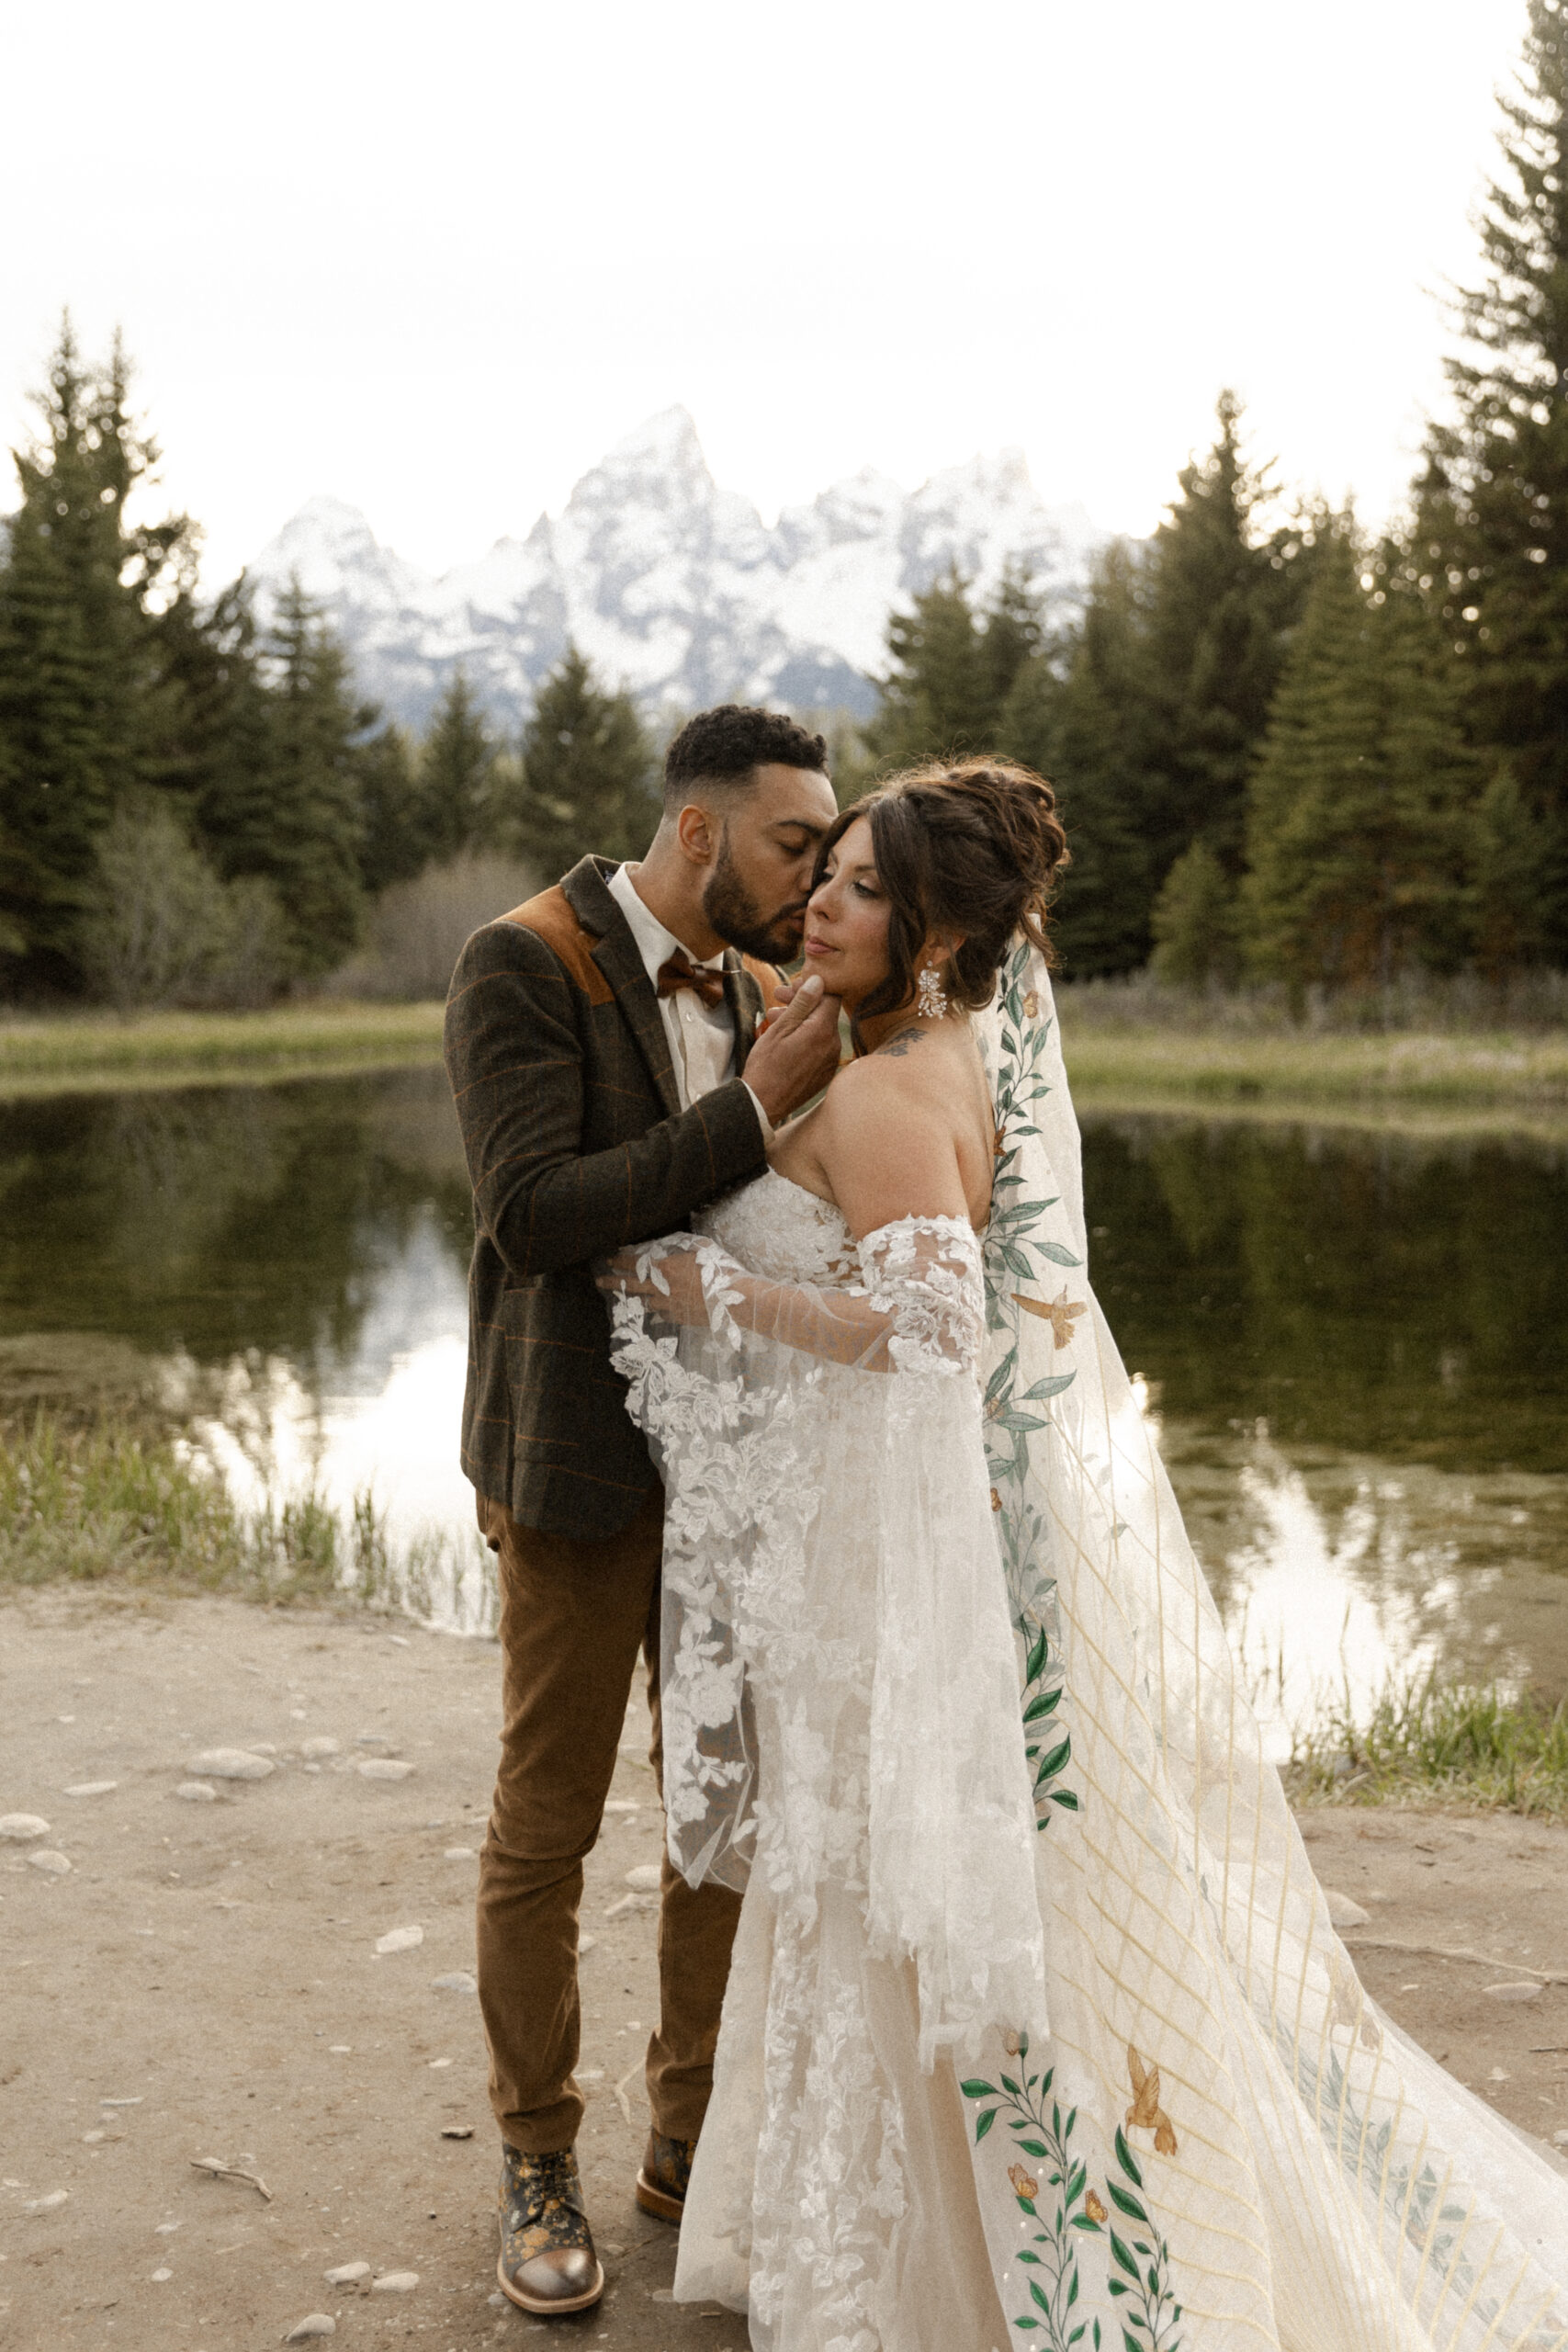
(673, 587)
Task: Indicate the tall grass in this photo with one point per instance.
(115, 1503)
(43, 1054)
(1297, 1073)
(1459, 1004)
(1431, 1741)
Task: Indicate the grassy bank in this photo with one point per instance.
(113, 1502)
(66, 1052)
(1129, 1064)
(118, 1502)
(1158, 1067)
(1426, 1743)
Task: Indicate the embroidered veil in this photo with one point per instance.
(942, 1680)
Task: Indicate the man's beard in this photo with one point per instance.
(736, 916)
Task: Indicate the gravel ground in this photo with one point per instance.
(203, 1981)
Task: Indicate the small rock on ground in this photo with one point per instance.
(1512, 1992)
(395, 2282)
(1343, 1910)
(314, 2324)
(43, 1858)
(644, 1878)
(399, 1940)
(197, 1793)
(20, 1827)
(319, 1748)
(92, 1788)
(460, 1980)
(234, 1764)
(347, 2274)
(383, 1768)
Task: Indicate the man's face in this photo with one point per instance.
(761, 880)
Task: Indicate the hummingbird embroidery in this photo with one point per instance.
(1145, 2112)
(1058, 1312)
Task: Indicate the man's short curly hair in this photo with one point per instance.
(723, 747)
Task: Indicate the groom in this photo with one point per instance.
(602, 1046)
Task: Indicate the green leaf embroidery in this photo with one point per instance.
(1121, 2252)
(1057, 1255)
(1126, 2159)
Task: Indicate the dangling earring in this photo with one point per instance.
(930, 999)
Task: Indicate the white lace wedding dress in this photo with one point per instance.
(1036, 2031)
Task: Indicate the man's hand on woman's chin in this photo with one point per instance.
(796, 1050)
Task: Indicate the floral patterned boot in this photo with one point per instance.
(548, 2263)
(666, 2170)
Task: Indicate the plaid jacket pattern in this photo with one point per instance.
(576, 1145)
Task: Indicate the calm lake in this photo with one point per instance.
(1353, 1344)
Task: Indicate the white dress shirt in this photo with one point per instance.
(702, 1037)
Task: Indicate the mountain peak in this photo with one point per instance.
(672, 586)
(669, 438)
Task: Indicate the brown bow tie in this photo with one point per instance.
(680, 972)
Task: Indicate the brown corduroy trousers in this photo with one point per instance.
(573, 1617)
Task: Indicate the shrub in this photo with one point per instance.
(417, 928)
(165, 929)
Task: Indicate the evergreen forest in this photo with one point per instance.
(1290, 750)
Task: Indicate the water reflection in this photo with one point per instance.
(294, 1258)
(1353, 1344)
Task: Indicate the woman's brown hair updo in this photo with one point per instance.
(973, 847)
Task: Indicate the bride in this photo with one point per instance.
(1037, 2031)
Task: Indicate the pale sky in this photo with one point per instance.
(437, 260)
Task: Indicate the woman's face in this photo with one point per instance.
(846, 920)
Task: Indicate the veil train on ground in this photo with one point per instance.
(944, 1682)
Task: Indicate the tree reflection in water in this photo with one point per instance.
(1353, 1342)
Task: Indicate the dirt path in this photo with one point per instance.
(203, 1981)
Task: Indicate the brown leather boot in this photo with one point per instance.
(548, 2263)
(666, 2171)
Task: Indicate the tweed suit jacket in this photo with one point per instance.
(576, 1145)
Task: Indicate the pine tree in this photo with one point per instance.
(1509, 866)
(1357, 816)
(1092, 728)
(588, 774)
(396, 844)
(951, 669)
(86, 710)
(1491, 550)
(285, 799)
(1194, 923)
(213, 660)
(1220, 600)
(1150, 717)
(457, 769)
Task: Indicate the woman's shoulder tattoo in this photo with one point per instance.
(901, 1040)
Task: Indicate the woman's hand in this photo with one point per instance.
(671, 1282)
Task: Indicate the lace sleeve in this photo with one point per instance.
(918, 1307)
